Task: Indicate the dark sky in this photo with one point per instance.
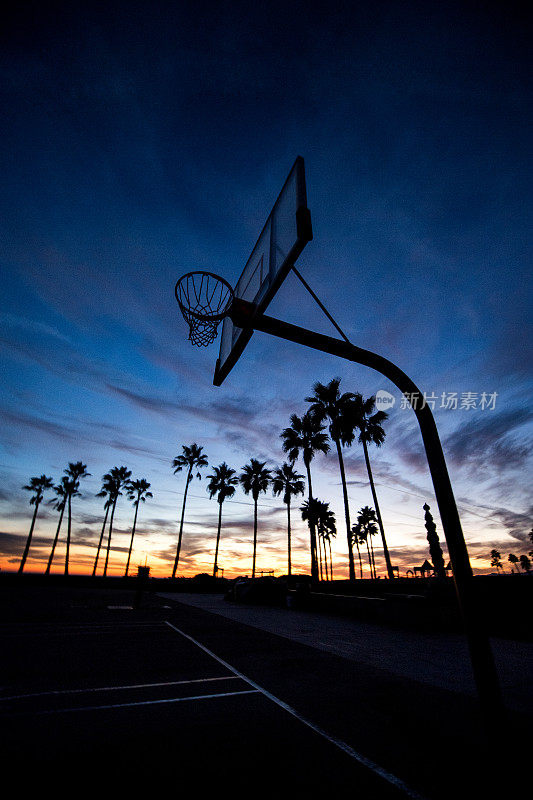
(141, 141)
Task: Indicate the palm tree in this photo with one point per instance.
(317, 512)
(310, 510)
(62, 491)
(370, 429)
(512, 559)
(326, 526)
(37, 486)
(221, 483)
(328, 403)
(328, 535)
(285, 479)
(116, 479)
(108, 490)
(73, 472)
(305, 437)
(525, 563)
(254, 478)
(364, 530)
(191, 458)
(138, 492)
(496, 560)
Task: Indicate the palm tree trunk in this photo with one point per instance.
(28, 540)
(346, 509)
(255, 537)
(373, 558)
(132, 535)
(176, 560)
(320, 556)
(215, 566)
(312, 528)
(69, 524)
(56, 537)
(359, 557)
(390, 571)
(289, 535)
(109, 535)
(330, 561)
(100, 541)
(369, 559)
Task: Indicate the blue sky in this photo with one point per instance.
(139, 143)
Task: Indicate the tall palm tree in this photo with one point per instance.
(73, 472)
(329, 404)
(108, 490)
(326, 525)
(221, 483)
(117, 477)
(254, 479)
(306, 437)
(317, 512)
(496, 560)
(513, 560)
(192, 458)
(62, 490)
(369, 423)
(38, 487)
(289, 482)
(365, 529)
(138, 492)
(330, 534)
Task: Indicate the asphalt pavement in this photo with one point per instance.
(99, 695)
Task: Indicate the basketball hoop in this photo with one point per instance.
(204, 300)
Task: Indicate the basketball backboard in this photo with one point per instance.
(284, 236)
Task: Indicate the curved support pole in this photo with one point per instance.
(243, 315)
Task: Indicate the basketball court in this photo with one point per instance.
(106, 697)
(102, 694)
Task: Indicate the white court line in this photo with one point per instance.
(140, 703)
(366, 762)
(114, 688)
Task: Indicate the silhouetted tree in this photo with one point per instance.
(326, 527)
(138, 492)
(286, 481)
(512, 559)
(73, 472)
(364, 530)
(221, 483)
(191, 459)
(317, 512)
(329, 404)
(62, 490)
(118, 478)
(109, 488)
(496, 560)
(254, 479)
(306, 437)
(525, 563)
(38, 487)
(328, 536)
(371, 431)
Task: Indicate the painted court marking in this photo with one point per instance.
(114, 688)
(363, 760)
(142, 703)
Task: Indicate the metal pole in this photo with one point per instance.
(243, 315)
